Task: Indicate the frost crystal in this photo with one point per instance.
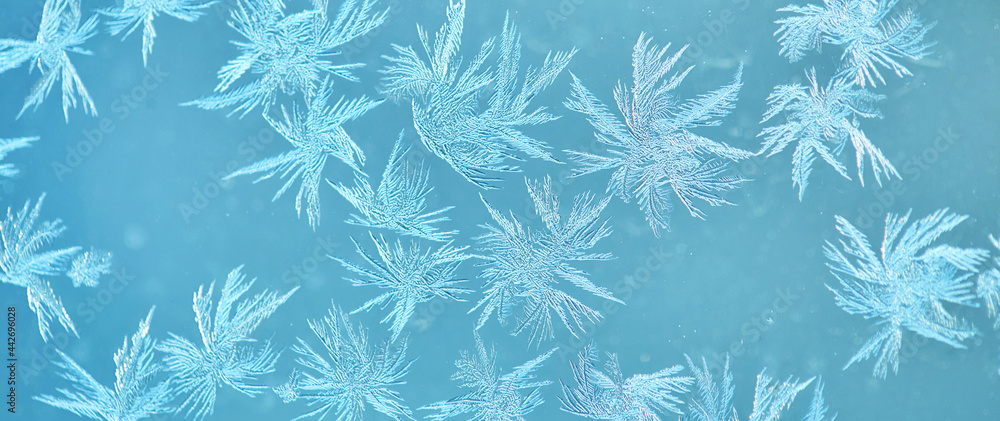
(288, 53)
(227, 355)
(446, 103)
(23, 265)
(130, 14)
(316, 133)
(411, 275)
(399, 202)
(352, 374)
(869, 37)
(523, 267)
(907, 286)
(59, 33)
(132, 399)
(821, 121)
(607, 395)
(654, 150)
(496, 397)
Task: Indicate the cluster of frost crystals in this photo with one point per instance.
(869, 36)
(24, 263)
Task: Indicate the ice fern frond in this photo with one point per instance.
(7, 146)
(608, 395)
(818, 407)
(524, 267)
(227, 355)
(289, 53)
(88, 267)
(60, 32)
(495, 396)
(412, 276)
(399, 202)
(907, 286)
(316, 133)
(988, 286)
(129, 15)
(134, 397)
(476, 138)
(652, 149)
(822, 121)
(352, 374)
(713, 401)
(23, 264)
(870, 37)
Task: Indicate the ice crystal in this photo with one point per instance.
(907, 286)
(496, 396)
(227, 355)
(654, 150)
(869, 37)
(446, 102)
(134, 397)
(352, 374)
(523, 267)
(411, 275)
(59, 33)
(821, 121)
(399, 202)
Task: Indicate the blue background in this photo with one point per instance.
(718, 289)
